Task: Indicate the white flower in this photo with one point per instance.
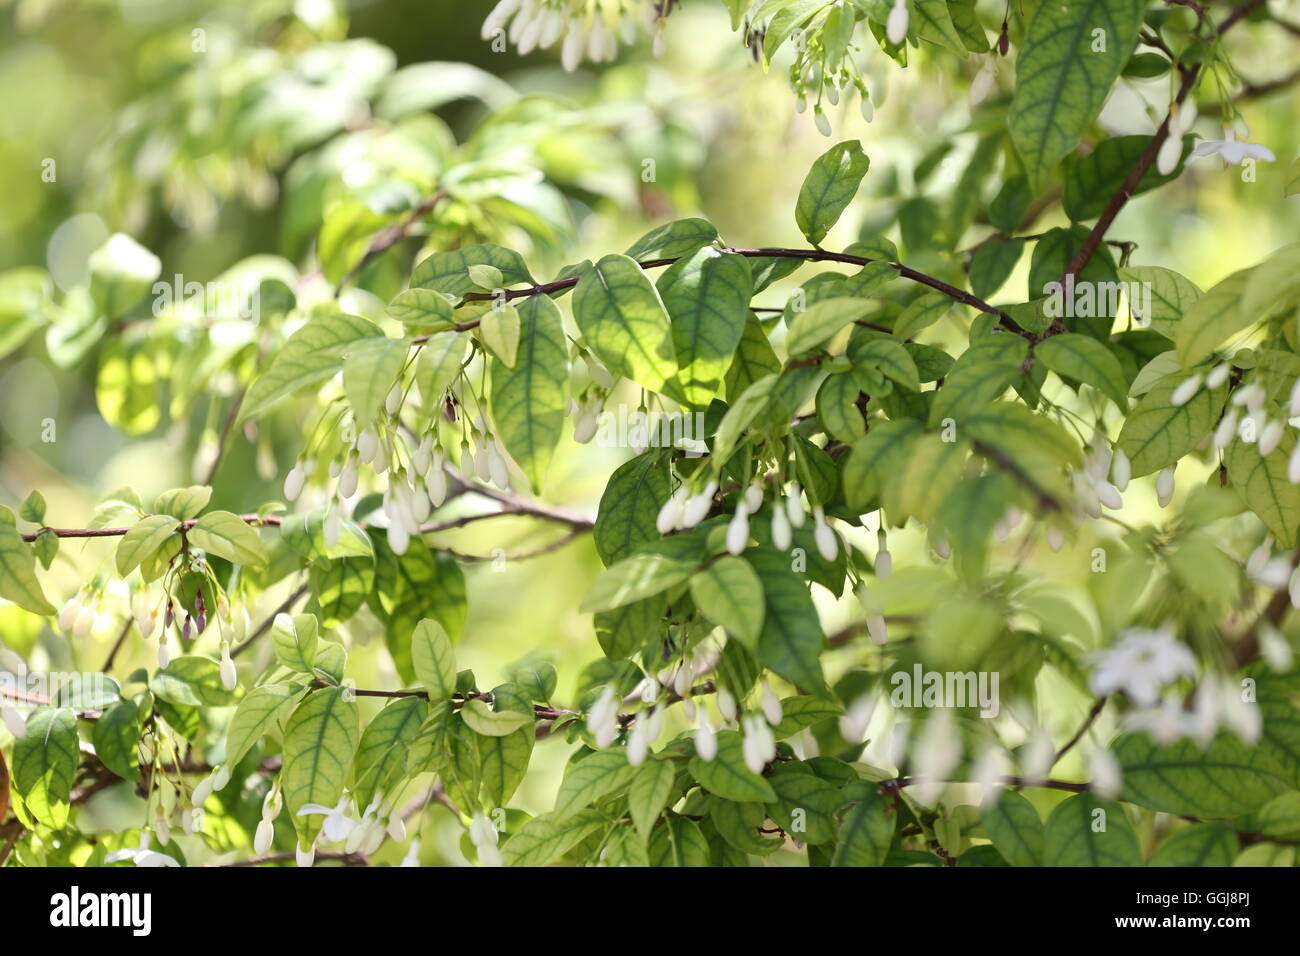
(1165, 487)
(1252, 396)
(1226, 430)
(726, 704)
(602, 720)
(794, 507)
(896, 24)
(1259, 557)
(821, 121)
(1165, 724)
(586, 422)
(1141, 663)
(1121, 470)
(293, 482)
(1109, 495)
(347, 486)
(367, 446)
(988, 772)
(853, 724)
(142, 856)
(938, 751)
(499, 17)
(759, 745)
(481, 831)
(1233, 152)
(435, 484)
(1275, 574)
(1273, 647)
(71, 611)
(338, 824)
(412, 857)
(305, 857)
(884, 563)
(1218, 375)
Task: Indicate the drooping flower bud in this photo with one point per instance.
(706, 741)
(697, 506)
(638, 745)
(14, 721)
(673, 512)
(794, 507)
(229, 675)
(1165, 487)
(782, 536)
(294, 481)
(896, 24)
(1270, 436)
(71, 611)
(884, 563)
(399, 539)
(367, 446)
(394, 399)
(348, 479)
(828, 545)
(738, 531)
(1186, 390)
(305, 858)
(263, 836)
(771, 705)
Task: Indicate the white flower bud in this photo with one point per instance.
(697, 506)
(1171, 151)
(706, 741)
(771, 705)
(878, 629)
(71, 610)
(1226, 430)
(738, 531)
(85, 622)
(394, 399)
(435, 486)
(638, 745)
(1293, 467)
(726, 705)
(396, 828)
(398, 537)
(1295, 399)
(1107, 778)
(1186, 390)
(794, 507)
(498, 469)
(672, 513)
(305, 857)
(753, 497)
(1270, 437)
(263, 836)
(1121, 470)
(14, 721)
(1109, 495)
(1218, 375)
(571, 50)
(421, 457)
(828, 545)
(782, 536)
(220, 777)
(1055, 537)
(599, 374)
(868, 111)
(1165, 487)
(821, 121)
(884, 562)
(367, 446)
(348, 480)
(896, 24)
(293, 482)
(229, 675)
(164, 652)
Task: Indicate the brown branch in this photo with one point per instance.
(900, 782)
(117, 645)
(347, 859)
(224, 438)
(1125, 192)
(1083, 729)
(389, 237)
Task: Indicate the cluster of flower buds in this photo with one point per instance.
(822, 71)
(602, 719)
(759, 744)
(1245, 418)
(483, 834)
(593, 34)
(1181, 118)
(1103, 480)
(684, 510)
(83, 614)
(586, 415)
(213, 782)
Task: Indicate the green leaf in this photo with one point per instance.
(422, 309)
(1224, 780)
(921, 314)
(33, 507)
(820, 321)
(439, 365)
(18, 581)
(1171, 296)
(630, 505)
(992, 264)
(1212, 318)
(595, 776)
(1203, 844)
(707, 298)
(1091, 180)
(1082, 357)
(192, 682)
(254, 715)
(624, 322)
(1016, 829)
(320, 741)
(45, 762)
(818, 800)
(1063, 76)
(1008, 208)
(529, 395)
(450, 271)
(891, 359)
(800, 712)
(295, 641)
(1086, 830)
(727, 776)
(311, 355)
(544, 839)
(648, 793)
(673, 240)
(837, 408)
(1264, 487)
(791, 640)
(632, 579)
(381, 760)
(370, 368)
(228, 536)
(482, 719)
(183, 503)
(829, 187)
(730, 594)
(498, 329)
(341, 587)
(755, 359)
(679, 842)
(121, 272)
(1158, 433)
(934, 23)
(433, 659)
(872, 459)
(866, 827)
(142, 541)
(741, 415)
(116, 736)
